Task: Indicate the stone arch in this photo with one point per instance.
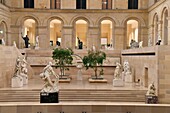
(73, 24)
(82, 17)
(139, 19)
(114, 22)
(155, 28)
(21, 19)
(141, 24)
(47, 23)
(2, 21)
(117, 23)
(164, 26)
(58, 17)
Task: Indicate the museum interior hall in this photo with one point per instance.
(84, 56)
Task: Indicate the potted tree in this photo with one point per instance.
(94, 60)
(63, 58)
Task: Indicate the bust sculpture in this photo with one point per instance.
(49, 85)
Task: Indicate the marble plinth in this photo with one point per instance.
(97, 80)
(25, 80)
(64, 80)
(17, 82)
(128, 78)
(118, 82)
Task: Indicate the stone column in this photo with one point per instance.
(168, 18)
(159, 35)
(44, 40)
(151, 33)
(93, 37)
(144, 36)
(68, 40)
(120, 38)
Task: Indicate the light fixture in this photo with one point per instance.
(1, 32)
(104, 2)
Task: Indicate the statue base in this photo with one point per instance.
(17, 82)
(149, 99)
(118, 83)
(46, 97)
(25, 80)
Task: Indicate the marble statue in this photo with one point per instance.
(117, 73)
(93, 48)
(3, 41)
(24, 71)
(37, 42)
(151, 90)
(17, 79)
(140, 44)
(134, 44)
(50, 86)
(14, 44)
(127, 73)
(117, 80)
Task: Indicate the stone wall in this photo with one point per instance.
(8, 56)
(151, 64)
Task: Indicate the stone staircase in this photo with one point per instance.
(32, 95)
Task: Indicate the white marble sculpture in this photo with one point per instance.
(118, 81)
(93, 48)
(151, 90)
(79, 66)
(17, 80)
(127, 73)
(24, 71)
(14, 44)
(37, 42)
(140, 44)
(50, 86)
(3, 41)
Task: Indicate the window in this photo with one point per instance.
(55, 4)
(81, 4)
(2, 1)
(106, 4)
(132, 4)
(28, 3)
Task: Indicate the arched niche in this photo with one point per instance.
(165, 27)
(81, 32)
(29, 29)
(132, 31)
(106, 34)
(3, 32)
(56, 27)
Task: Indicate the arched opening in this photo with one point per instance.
(106, 34)
(165, 28)
(55, 32)
(155, 29)
(29, 29)
(3, 32)
(132, 32)
(81, 34)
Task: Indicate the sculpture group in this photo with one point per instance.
(20, 76)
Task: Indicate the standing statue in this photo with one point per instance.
(126, 72)
(117, 73)
(17, 79)
(24, 71)
(151, 90)
(46, 76)
(3, 42)
(37, 42)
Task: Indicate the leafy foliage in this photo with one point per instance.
(93, 60)
(63, 58)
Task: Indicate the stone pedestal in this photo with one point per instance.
(128, 77)
(25, 80)
(150, 99)
(97, 80)
(17, 82)
(118, 82)
(46, 97)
